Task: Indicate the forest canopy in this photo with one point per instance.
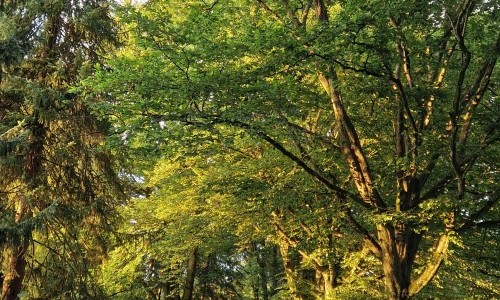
(237, 149)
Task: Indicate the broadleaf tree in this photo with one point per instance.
(388, 106)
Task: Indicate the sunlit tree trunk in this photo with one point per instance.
(290, 273)
(325, 281)
(395, 263)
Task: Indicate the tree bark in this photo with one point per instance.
(437, 258)
(14, 259)
(329, 277)
(399, 245)
(263, 278)
(191, 274)
(15, 266)
(169, 291)
(396, 273)
(325, 282)
(274, 270)
(289, 271)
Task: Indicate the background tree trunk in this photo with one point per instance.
(263, 278)
(191, 274)
(290, 275)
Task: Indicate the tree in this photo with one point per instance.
(60, 183)
(390, 107)
(179, 233)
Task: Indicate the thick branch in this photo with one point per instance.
(477, 92)
(403, 52)
(275, 15)
(488, 224)
(321, 11)
(353, 152)
(368, 238)
(431, 269)
(459, 32)
(438, 75)
(305, 13)
(291, 13)
(341, 193)
(406, 106)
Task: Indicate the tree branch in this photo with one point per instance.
(403, 52)
(431, 269)
(305, 13)
(368, 238)
(275, 15)
(471, 221)
(488, 224)
(341, 193)
(477, 92)
(291, 13)
(353, 152)
(323, 139)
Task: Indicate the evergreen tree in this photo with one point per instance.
(60, 184)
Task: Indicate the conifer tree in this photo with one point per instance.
(57, 183)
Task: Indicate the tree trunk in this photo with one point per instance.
(399, 245)
(263, 278)
(191, 274)
(168, 291)
(328, 282)
(325, 280)
(14, 260)
(255, 290)
(396, 279)
(274, 270)
(289, 271)
(15, 266)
